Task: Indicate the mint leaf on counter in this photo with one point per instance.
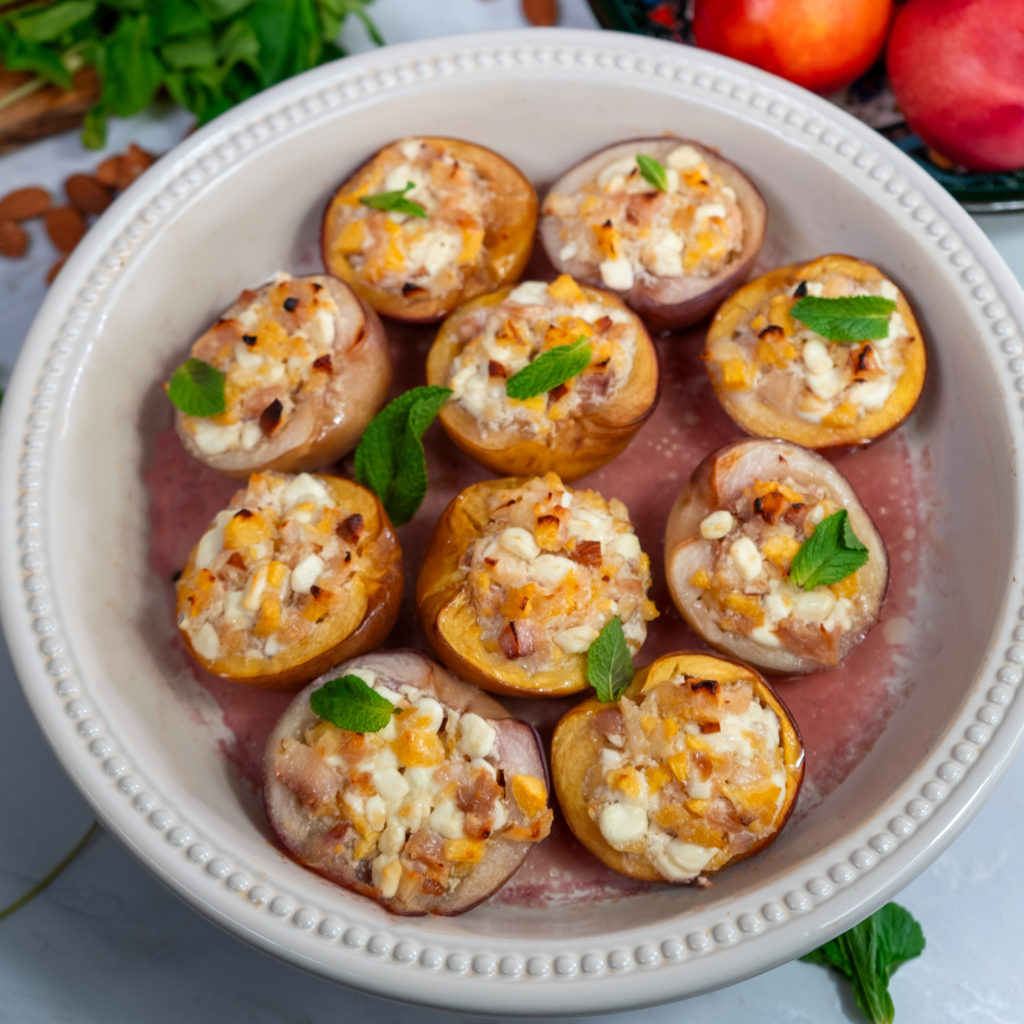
(848, 318)
(350, 704)
(609, 663)
(868, 955)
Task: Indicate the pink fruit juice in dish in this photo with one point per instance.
(841, 712)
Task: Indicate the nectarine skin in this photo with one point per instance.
(822, 45)
(957, 68)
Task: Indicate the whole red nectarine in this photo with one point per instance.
(957, 68)
(819, 44)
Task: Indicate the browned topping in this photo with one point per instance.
(710, 685)
(587, 552)
(604, 324)
(249, 339)
(237, 561)
(495, 369)
(291, 304)
(710, 727)
(351, 529)
(324, 364)
(771, 506)
(411, 289)
(24, 203)
(86, 194)
(65, 226)
(773, 333)
(317, 287)
(13, 239)
(242, 514)
(559, 392)
(801, 290)
(609, 722)
(270, 418)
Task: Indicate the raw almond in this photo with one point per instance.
(65, 226)
(24, 203)
(55, 269)
(541, 12)
(133, 163)
(87, 195)
(13, 239)
(109, 172)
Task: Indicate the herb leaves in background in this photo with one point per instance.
(609, 663)
(850, 318)
(832, 553)
(394, 201)
(653, 172)
(869, 953)
(549, 369)
(390, 459)
(350, 704)
(197, 389)
(208, 54)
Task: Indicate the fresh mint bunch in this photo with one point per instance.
(207, 54)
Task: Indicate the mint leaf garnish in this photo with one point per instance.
(390, 458)
(197, 389)
(350, 704)
(848, 318)
(549, 369)
(609, 663)
(868, 955)
(395, 202)
(653, 172)
(832, 553)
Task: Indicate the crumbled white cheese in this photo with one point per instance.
(622, 823)
(214, 439)
(889, 291)
(683, 158)
(306, 573)
(617, 274)
(625, 544)
(386, 873)
(814, 606)
(747, 559)
(252, 434)
(576, 640)
(305, 488)
(529, 293)
(206, 642)
(551, 569)
(569, 251)
(447, 820)
(816, 357)
(430, 709)
(717, 525)
(476, 736)
(765, 637)
(682, 860)
(518, 541)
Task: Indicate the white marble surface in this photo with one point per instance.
(108, 944)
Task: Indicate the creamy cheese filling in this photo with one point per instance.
(399, 252)
(689, 776)
(552, 569)
(629, 230)
(274, 351)
(535, 318)
(787, 365)
(747, 586)
(270, 568)
(419, 800)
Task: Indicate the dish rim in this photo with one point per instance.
(643, 966)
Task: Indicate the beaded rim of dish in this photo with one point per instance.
(343, 922)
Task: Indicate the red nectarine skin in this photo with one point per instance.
(957, 68)
(822, 45)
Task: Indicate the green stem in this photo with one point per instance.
(40, 886)
(23, 90)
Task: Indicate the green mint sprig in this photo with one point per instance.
(653, 172)
(868, 955)
(395, 202)
(390, 459)
(832, 553)
(550, 369)
(197, 389)
(609, 663)
(208, 55)
(849, 318)
(350, 704)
